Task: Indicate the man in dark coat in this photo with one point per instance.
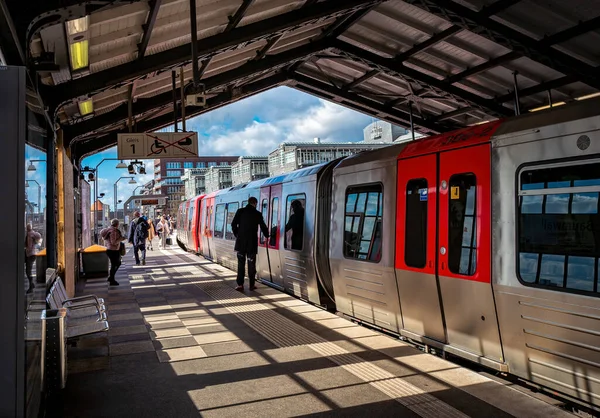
(245, 225)
(138, 233)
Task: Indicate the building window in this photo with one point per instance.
(462, 225)
(363, 222)
(212, 164)
(264, 210)
(415, 227)
(294, 227)
(201, 164)
(219, 220)
(231, 210)
(173, 173)
(559, 226)
(188, 164)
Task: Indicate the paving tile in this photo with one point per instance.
(124, 316)
(136, 329)
(88, 365)
(180, 354)
(165, 324)
(154, 308)
(112, 307)
(217, 337)
(131, 348)
(160, 317)
(129, 337)
(169, 332)
(199, 321)
(125, 323)
(207, 329)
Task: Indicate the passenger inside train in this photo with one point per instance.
(295, 224)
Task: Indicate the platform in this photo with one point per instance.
(184, 343)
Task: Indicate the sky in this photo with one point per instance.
(253, 126)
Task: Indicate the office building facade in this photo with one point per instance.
(290, 156)
(247, 169)
(168, 172)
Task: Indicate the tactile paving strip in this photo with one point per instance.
(283, 332)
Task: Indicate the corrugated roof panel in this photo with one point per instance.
(264, 9)
(116, 18)
(412, 16)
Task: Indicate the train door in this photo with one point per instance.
(464, 251)
(263, 264)
(208, 221)
(270, 203)
(416, 224)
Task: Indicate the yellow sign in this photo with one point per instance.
(454, 192)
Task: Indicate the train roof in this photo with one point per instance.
(558, 115)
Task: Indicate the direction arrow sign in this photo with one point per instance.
(151, 145)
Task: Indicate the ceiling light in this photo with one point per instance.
(78, 25)
(588, 96)
(31, 167)
(79, 54)
(132, 181)
(87, 107)
(91, 177)
(121, 165)
(547, 106)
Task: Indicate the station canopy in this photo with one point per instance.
(446, 63)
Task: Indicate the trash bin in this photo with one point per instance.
(94, 261)
(41, 263)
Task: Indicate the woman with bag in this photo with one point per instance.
(151, 233)
(164, 231)
(113, 240)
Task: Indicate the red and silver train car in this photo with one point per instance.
(483, 243)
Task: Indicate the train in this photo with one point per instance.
(483, 243)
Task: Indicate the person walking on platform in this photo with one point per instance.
(151, 233)
(32, 239)
(112, 237)
(139, 240)
(164, 231)
(245, 225)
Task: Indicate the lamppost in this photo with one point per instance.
(96, 175)
(131, 181)
(39, 201)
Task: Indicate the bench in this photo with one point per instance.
(85, 314)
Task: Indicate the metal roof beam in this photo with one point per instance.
(497, 7)
(238, 16)
(540, 88)
(452, 114)
(494, 62)
(265, 49)
(435, 39)
(148, 27)
(510, 38)
(91, 145)
(369, 75)
(142, 106)
(219, 43)
(396, 69)
(373, 107)
(343, 23)
(574, 31)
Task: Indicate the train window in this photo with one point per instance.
(219, 220)
(363, 222)
(264, 206)
(559, 226)
(415, 227)
(231, 210)
(274, 220)
(294, 227)
(462, 225)
(190, 218)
